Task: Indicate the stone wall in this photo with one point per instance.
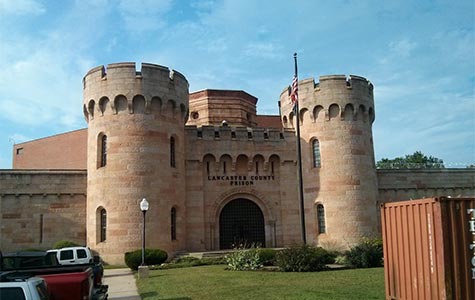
(39, 208)
(397, 185)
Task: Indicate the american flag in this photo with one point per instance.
(294, 94)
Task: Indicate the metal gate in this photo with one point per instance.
(241, 223)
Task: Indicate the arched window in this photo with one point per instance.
(103, 158)
(173, 223)
(172, 153)
(103, 225)
(316, 153)
(321, 218)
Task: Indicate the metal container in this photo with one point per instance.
(429, 248)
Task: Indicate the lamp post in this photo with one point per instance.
(143, 269)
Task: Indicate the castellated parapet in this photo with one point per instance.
(135, 120)
(336, 117)
(335, 96)
(120, 88)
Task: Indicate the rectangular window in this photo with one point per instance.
(19, 151)
(81, 253)
(66, 254)
(12, 293)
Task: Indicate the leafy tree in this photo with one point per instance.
(413, 161)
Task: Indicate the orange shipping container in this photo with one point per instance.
(429, 249)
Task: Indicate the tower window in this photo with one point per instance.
(321, 219)
(103, 225)
(316, 153)
(103, 158)
(173, 223)
(172, 153)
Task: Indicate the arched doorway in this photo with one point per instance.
(241, 222)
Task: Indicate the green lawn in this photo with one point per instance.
(216, 283)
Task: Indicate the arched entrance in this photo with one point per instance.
(241, 222)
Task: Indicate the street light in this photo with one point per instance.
(143, 207)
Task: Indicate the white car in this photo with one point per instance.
(73, 255)
(32, 288)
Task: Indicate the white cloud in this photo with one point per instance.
(265, 50)
(18, 138)
(402, 47)
(21, 7)
(144, 15)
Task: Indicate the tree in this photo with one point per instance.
(413, 161)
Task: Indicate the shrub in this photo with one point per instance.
(64, 244)
(341, 260)
(267, 256)
(243, 259)
(189, 261)
(152, 257)
(303, 259)
(367, 254)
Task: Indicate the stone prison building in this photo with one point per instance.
(215, 173)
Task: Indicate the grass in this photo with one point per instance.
(216, 283)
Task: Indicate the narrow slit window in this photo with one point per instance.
(103, 225)
(321, 219)
(103, 151)
(316, 153)
(173, 224)
(172, 153)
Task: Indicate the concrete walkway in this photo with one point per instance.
(121, 284)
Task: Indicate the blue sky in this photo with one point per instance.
(420, 56)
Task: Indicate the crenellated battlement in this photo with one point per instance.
(127, 70)
(337, 97)
(120, 87)
(238, 134)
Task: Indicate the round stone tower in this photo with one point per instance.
(135, 150)
(339, 176)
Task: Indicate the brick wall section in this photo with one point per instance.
(211, 107)
(39, 208)
(62, 151)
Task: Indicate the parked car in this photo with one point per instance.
(22, 288)
(73, 255)
(80, 256)
(69, 282)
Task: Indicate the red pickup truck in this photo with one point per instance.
(63, 282)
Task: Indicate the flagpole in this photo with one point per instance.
(299, 163)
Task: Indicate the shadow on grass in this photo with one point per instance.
(155, 294)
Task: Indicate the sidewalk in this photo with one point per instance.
(121, 284)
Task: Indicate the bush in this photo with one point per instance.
(367, 254)
(303, 259)
(189, 261)
(341, 260)
(243, 259)
(267, 256)
(152, 257)
(64, 244)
